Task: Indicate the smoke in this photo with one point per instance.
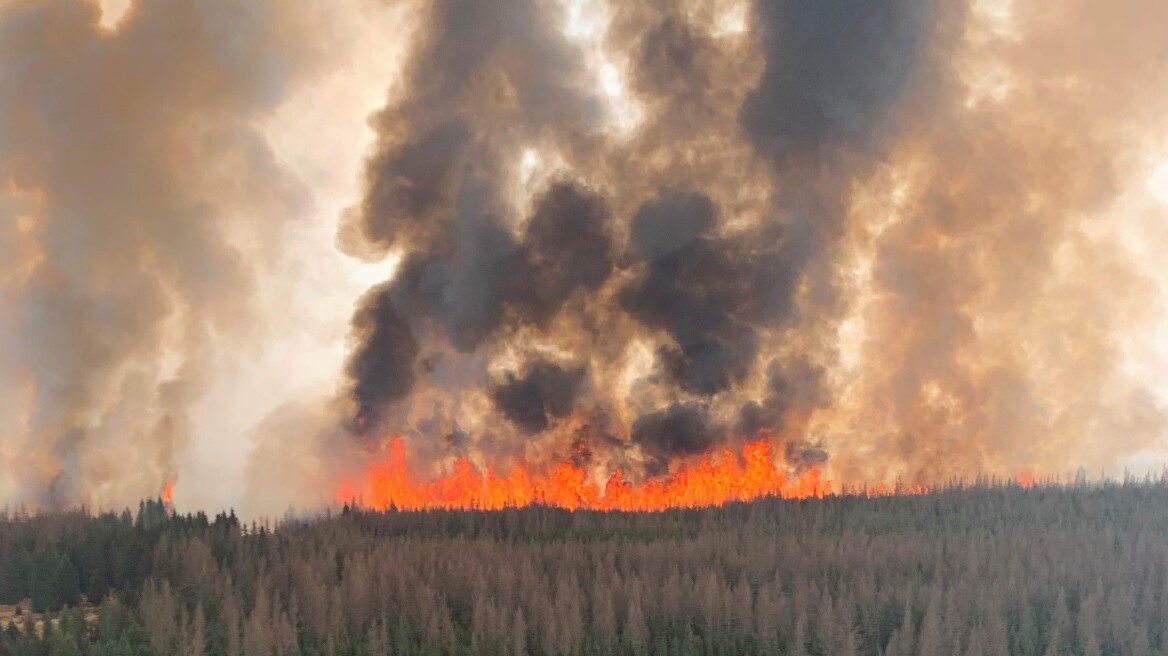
(712, 260)
(856, 228)
(833, 71)
(692, 289)
(139, 196)
(887, 234)
(544, 392)
(382, 365)
(680, 429)
(997, 297)
(793, 389)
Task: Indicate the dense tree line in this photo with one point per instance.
(991, 569)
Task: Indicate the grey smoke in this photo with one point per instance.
(131, 151)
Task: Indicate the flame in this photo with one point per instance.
(168, 493)
(388, 483)
(1024, 479)
(712, 481)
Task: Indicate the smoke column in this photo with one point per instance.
(894, 239)
(137, 198)
(859, 228)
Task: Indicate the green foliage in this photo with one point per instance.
(1074, 571)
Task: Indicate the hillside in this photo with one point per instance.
(982, 570)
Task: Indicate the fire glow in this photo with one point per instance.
(388, 483)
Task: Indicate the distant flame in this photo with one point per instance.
(1024, 479)
(168, 493)
(388, 483)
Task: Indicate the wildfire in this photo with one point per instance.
(168, 493)
(1024, 479)
(388, 483)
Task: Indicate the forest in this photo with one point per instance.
(992, 568)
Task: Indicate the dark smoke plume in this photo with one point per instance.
(693, 289)
(679, 430)
(898, 233)
(566, 248)
(793, 388)
(710, 258)
(544, 392)
(382, 366)
(833, 71)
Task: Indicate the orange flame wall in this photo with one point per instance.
(388, 483)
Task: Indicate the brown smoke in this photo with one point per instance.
(880, 231)
(996, 296)
(857, 225)
(138, 196)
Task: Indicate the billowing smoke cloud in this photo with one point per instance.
(793, 388)
(996, 297)
(137, 196)
(708, 276)
(680, 429)
(881, 231)
(833, 71)
(544, 392)
(693, 287)
(382, 366)
(829, 226)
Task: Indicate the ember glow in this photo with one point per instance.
(390, 482)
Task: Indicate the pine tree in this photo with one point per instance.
(15, 568)
(519, 634)
(635, 630)
(931, 639)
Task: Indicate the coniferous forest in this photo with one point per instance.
(988, 569)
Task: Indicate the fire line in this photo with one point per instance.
(389, 483)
